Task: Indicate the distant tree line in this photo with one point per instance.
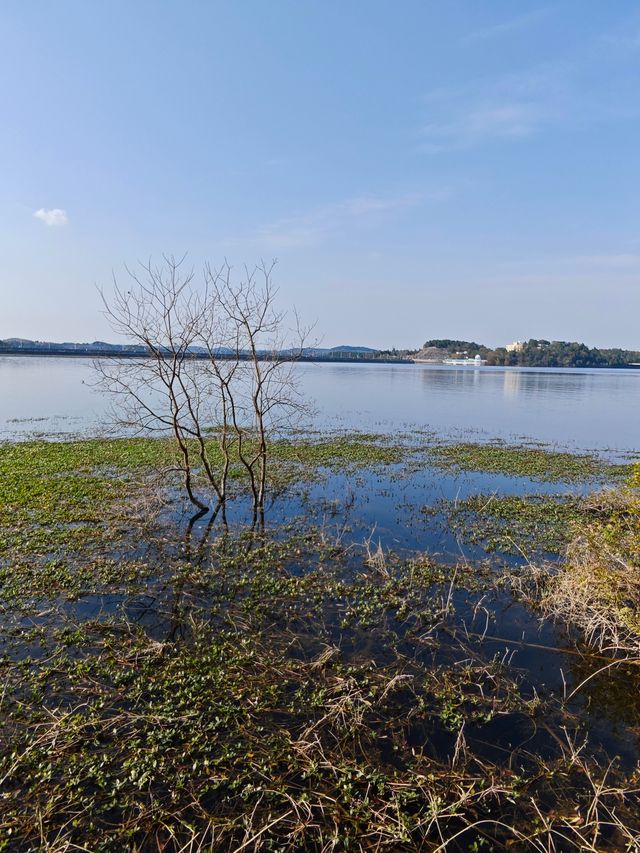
(470, 348)
(539, 353)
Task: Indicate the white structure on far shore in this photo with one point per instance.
(478, 361)
(515, 346)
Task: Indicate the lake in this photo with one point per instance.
(583, 408)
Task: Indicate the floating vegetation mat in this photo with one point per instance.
(528, 524)
(537, 462)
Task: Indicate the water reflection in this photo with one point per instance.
(591, 408)
(512, 383)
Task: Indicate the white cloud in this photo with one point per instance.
(312, 228)
(53, 217)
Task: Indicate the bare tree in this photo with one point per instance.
(207, 362)
(264, 366)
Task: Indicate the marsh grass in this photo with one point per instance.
(598, 587)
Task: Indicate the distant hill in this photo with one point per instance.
(533, 353)
(453, 346)
(542, 353)
(46, 346)
(103, 348)
(352, 349)
(18, 344)
(21, 343)
(441, 348)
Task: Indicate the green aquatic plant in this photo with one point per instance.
(58, 498)
(265, 726)
(167, 691)
(521, 524)
(535, 462)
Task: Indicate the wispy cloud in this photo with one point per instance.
(624, 39)
(509, 107)
(316, 226)
(521, 22)
(597, 84)
(52, 217)
(622, 262)
(576, 271)
(482, 122)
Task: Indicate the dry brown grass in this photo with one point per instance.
(598, 587)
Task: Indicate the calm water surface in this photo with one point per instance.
(584, 408)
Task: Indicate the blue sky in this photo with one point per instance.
(419, 169)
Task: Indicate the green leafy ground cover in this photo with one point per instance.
(256, 692)
(539, 463)
(299, 711)
(70, 494)
(522, 524)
